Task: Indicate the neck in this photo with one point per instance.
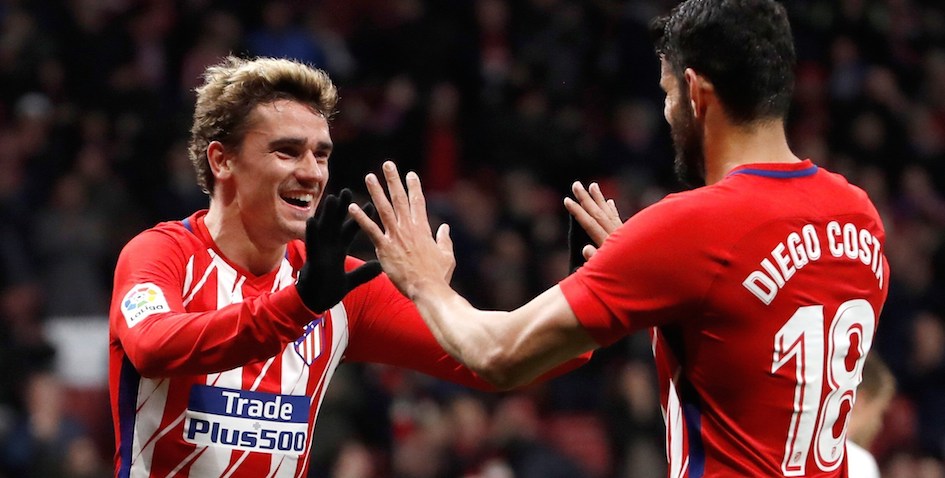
(237, 242)
(728, 146)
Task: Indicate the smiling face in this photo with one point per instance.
(279, 173)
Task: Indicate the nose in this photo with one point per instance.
(310, 170)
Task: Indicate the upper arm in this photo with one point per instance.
(160, 337)
(652, 271)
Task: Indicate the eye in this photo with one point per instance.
(286, 153)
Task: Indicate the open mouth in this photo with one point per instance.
(302, 200)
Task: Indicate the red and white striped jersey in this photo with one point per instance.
(762, 293)
(216, 372)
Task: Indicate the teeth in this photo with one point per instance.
(306, 198)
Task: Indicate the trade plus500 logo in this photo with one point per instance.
(246, 420)
(141, 301)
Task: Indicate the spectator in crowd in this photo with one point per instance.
(873, 396)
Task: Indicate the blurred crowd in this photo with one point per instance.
(499, 105)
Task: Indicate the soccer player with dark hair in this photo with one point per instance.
(761, 287)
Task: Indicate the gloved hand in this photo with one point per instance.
(577, 239)
(323, 281)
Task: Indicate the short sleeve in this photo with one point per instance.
(653, 270)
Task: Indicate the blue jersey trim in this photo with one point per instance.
(778, 174)
(127, 402)
(693, 417)
(187, 224)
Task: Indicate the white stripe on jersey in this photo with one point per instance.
(284, 278)
(143, 468)
(279, 466)
(203, 279)
(678, 463)
(237, 464)
(188, 276)
(193, 456)
(339, 342)
(216, 460)
(295, 377)
(149, 409)
(293, 381)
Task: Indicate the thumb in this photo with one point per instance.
(445, 243)
(362, 274)
(443, 239)
(589, 251)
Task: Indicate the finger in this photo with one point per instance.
(344, 197)
(608, 206)
(351, 227)
(598, 208)
(445, 243)
(349, 230)
(368, 209)
(370, 228)
(589, 251)
(418, 203)
(615, 215)
(363, 273)
(597, 195)
(379, 198)
(580, 193)
(586, 199)
(594, 229)
(330, 216)
(603, 210)
(395, 187)
(443, 239)
(311, 233)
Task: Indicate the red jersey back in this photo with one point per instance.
(764, 292)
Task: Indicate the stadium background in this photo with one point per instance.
(499, 105)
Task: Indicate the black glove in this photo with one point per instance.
(577, 239)
(323, 281)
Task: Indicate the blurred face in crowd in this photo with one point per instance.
(866, 420)
(279, 173)
(687, 138)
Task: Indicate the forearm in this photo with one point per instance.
(508, 349)
(179, 343)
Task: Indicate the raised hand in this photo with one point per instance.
(323, 281)
(406, 248)
(596, 215)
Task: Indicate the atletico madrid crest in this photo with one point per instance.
(309, 345)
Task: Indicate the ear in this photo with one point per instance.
(219, 160)
(701, 92)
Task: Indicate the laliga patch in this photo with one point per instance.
(141, 301)
(247, 420)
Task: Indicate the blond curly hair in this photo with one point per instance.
(234, 87)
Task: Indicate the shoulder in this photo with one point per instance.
(684, 215)
(159, 238)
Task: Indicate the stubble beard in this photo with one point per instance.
(689, 163)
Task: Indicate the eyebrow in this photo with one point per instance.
(299, 142)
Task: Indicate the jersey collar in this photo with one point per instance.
(777, 170)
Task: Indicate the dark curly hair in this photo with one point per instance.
(744, 47)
